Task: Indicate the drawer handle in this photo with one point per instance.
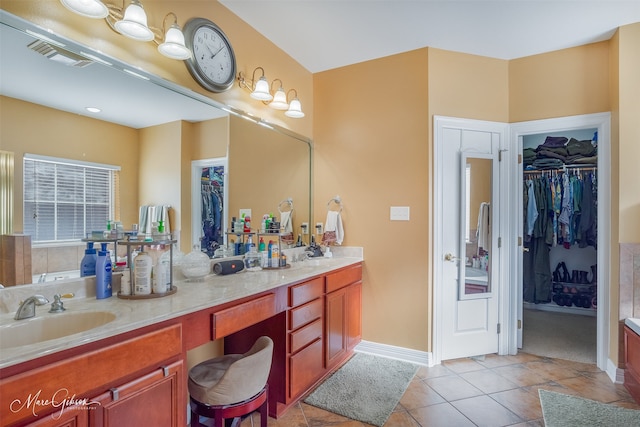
(115, 394)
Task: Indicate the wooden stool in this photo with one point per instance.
(233, 385)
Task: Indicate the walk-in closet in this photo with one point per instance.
(560, 259)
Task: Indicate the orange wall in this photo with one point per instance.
(561, 83)
(629, 107)
(371, 148)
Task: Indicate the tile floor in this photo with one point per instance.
(496, 391)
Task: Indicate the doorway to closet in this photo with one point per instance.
(559, 275)
(563, 229)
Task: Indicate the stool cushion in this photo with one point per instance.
(232, 378)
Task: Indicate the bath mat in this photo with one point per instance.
(367, 388)
(561, 410)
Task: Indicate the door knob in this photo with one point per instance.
(450, 257)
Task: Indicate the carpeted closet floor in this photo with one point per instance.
(560, 335)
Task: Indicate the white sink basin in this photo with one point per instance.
(51, 326)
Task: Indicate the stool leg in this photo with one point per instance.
(264, 412)
(195, 419)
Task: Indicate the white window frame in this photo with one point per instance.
(57, 202)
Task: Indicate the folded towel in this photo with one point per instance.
(333, 230)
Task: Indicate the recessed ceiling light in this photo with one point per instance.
(93, 109)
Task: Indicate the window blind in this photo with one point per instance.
(64, 200)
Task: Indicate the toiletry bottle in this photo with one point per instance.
(275, 256)
(269, 253)
(233, 224)
(103, 273)
(125, 282)
(261, 245)
(162, 274)
(142, 265)
(247, 224)
(249, 245)
(88, 263)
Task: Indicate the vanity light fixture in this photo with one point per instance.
(89, 8)
(259, 90)
(173, 45)
(280, 98)
(132, 23)
(295, 108)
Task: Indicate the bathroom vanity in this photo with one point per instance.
(132, 370)
(632, 357)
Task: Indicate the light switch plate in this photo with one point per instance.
(319, 226)
(399, 213)
(305, 228)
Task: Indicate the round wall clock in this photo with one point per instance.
(212, 64)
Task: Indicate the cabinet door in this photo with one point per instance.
(151, 400)
(336, 338)
(72, 416)
(354, 315)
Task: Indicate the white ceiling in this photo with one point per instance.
(326, 34)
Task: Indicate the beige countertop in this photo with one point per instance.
(133, 314)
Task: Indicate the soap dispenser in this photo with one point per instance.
(88, 263)
(103, 273)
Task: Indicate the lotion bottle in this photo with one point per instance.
(88, 263)
(142, 266)
(103, 273)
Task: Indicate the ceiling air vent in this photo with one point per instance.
(58, 54)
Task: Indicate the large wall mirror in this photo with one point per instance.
(265, 163)
(477, 192)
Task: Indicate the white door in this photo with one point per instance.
(466, 309)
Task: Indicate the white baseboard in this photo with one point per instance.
(615, 374)
(398, 353)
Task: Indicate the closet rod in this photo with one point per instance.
(566, 168)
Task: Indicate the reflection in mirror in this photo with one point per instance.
(476, 194)
(263, 169)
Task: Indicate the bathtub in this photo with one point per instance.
(58, 275)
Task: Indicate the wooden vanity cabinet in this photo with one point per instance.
(150, 400)
(139, 377)
(317, 332)
(343, 318)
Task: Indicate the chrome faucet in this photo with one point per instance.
(27, 307)
(43, 278)
(57, 306)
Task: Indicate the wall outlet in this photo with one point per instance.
(319, 227)
(305, 228)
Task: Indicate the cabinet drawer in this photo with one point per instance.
(305, 313)
(305, 292)
(305, 335)
(305, 367)
(234, 319)
(344, 277)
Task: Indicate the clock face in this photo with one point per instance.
(213, 64)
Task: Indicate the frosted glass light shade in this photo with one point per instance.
(134, 23)
(173, 46)
(261, 92)
(295, 109)
(88, 8)
(279, 100)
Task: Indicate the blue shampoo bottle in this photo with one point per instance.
(88, 263)
(103, 273)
